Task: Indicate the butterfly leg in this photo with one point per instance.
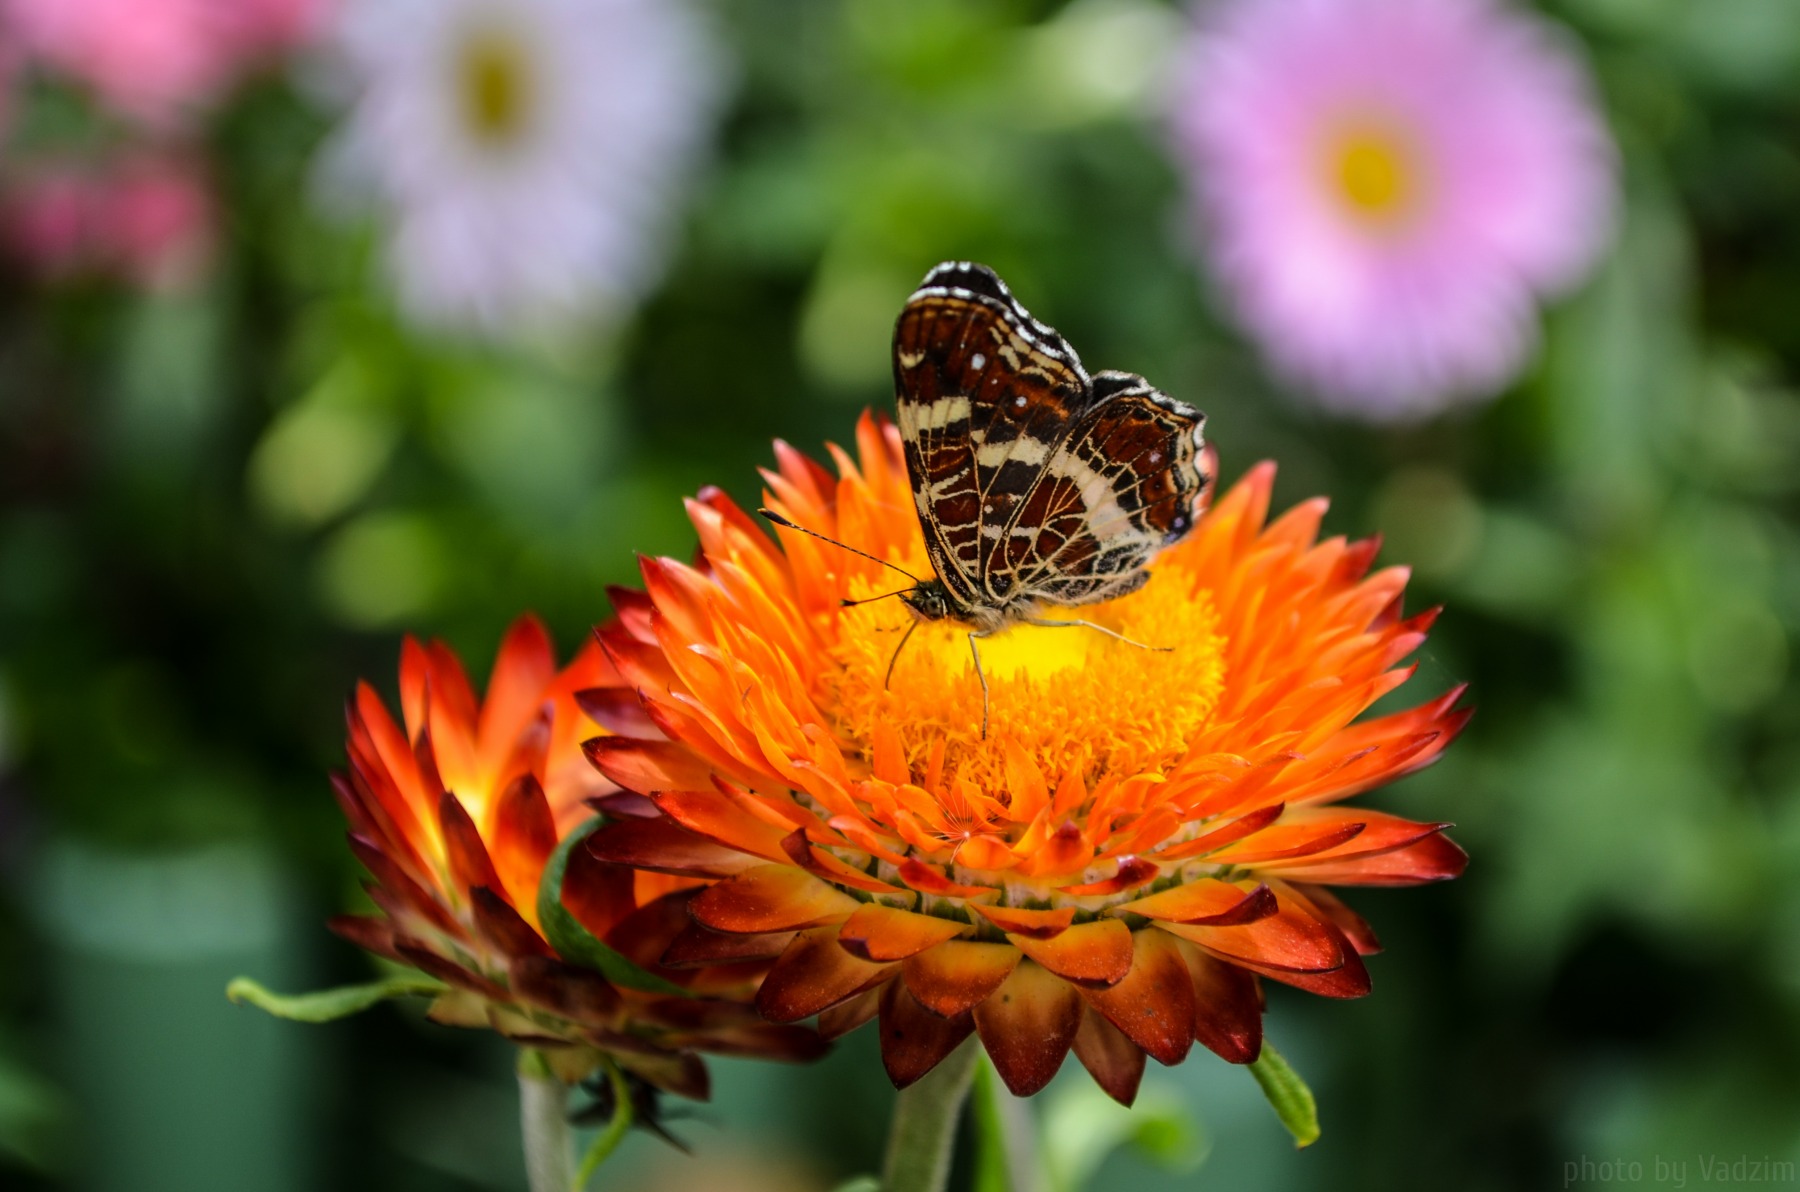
(895, 656)
(1046, 623)
(982, 675)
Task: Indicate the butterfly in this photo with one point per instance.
(1035, 484)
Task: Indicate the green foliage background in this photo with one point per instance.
(223, 506)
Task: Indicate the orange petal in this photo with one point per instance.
(1433, 859)
(470, 865)
(714, 815)
(662, 845)
(1039, 925)
(1027, 1026)
(1291, 941)
(1154, 1004)
(523, 839)
(501, 926)
(618, 710)
(771, 898)
(1206, 901)
(928, 880)
(1331, 908)
(1284, 841)
(648, 766)
(837, 1021)
(1133, 871)
(814, 974)
(822, 863)
(954, 976)
(1247, 824)
(913, 1039)
(882, 933)
(526, 665)
(1097, 953)
(1227, 1007)
(1114, 1061)
(699, 946)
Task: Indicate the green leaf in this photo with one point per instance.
(575, 943)
(1288, 1095)
(328, 1004)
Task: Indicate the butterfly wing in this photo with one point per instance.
(1121, 487)
(984, 393)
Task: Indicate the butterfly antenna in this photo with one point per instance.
(786, 524)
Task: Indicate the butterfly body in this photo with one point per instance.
(1034, 483)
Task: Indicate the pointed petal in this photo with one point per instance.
(662, 845)
(697, 947)
(1433, 859)
(771, 898)
(1114, 1061)
(1207, 901)
(526, 665)
(913, 1039)
(952, 977)
(1038, 925)
(1227, 1007)
(1292, 940)
(1154, 1004)
(523, 839)
(470, 865)
(618, 710)
(501, 926)
(648, 766)
(1097, 953)
(813, 974)
(882, 933)
(1028, 1025)
(715, 816)
(575, 993)
(837, 1021)
(1332, 909)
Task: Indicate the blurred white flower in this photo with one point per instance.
(526, 154)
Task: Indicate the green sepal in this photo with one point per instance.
(326, 1005)
(1288, 1095)
(575, 943)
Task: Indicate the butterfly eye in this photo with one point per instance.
(1002, 584)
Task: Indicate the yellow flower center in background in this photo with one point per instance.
(1375, 174)
(1069, 697)
(494, 86)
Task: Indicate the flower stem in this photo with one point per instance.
(608, 1139)
(924, 1126)
(544, 1124)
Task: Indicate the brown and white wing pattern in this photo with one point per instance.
(1118, 489)
(1032, 481)
(983, 393)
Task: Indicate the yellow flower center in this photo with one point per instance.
(1374, 173)
(1070, 698)
(494, 86)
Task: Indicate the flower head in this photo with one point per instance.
(457, 810)
(1138, 837)
(525, 151)
(156, 59)
(1388, 185)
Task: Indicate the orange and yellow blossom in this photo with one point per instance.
(456, 812)
(1139, 837)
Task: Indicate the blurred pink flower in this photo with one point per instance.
(526, 157)
(146, 218)
(155, 59)
(1386, 187)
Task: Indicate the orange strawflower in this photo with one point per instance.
(456, 817)
(1139, 837)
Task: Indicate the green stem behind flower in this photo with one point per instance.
(544, 1125)
(608, 1139)
(924, 1126)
